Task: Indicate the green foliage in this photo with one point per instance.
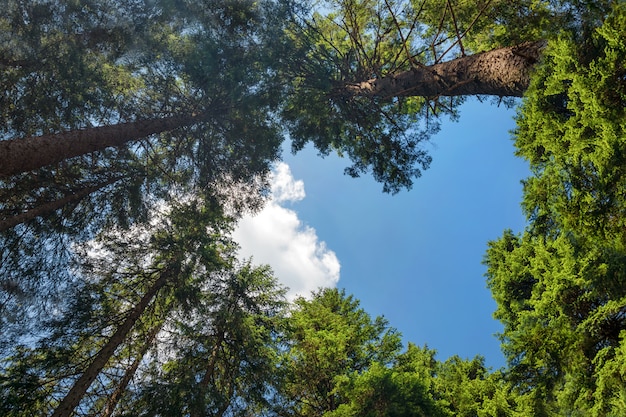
(466, 388)
(340, 362)
(509, 23)
(571, 129)
(148, 60)
(381, 391)
(416, 384)
(222, 349)
(356, 41)
(560, 285)
(379, 136)
(60, 64)
(561, 303)
(456, 387)
(208, 303)
(213, 336)
(610, 396)
(328, 339)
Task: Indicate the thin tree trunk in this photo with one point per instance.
(130, 372)
(210, 368)
(224, 407)
(503, 72)
(51, 206)
(72, 398)
(27, 154)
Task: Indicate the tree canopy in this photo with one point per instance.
(136, 133)
(559, 286)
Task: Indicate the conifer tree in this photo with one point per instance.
(127, 289)
(560, 285)
(371, 77)
(328, 338)
(160, 70)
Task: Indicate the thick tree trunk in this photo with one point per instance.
(72, 398)
(23, 155)
(503, 72)
(51, 206)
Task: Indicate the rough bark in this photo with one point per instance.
(73, 397)
(503, 72)
(51, 206)
(27, 154)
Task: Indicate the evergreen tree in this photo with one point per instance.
(336, 364)
(328, 338)
(170, 301)
(385, 391)
(370, 71)
(178, 61)
(559, 286)
(371, 76)
(66, 64)
(127, 289)
(221, 355)
(360, 81)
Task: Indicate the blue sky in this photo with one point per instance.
(414, 257)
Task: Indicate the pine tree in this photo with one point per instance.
(129, 286)
(328, 338)
(371, 77)
(559, 286)
(222, 348)
(162, 71)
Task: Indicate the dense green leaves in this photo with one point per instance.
(121, 292)
(328, 339)
(571, 130)
(60, 63)
(349, 43)
(175, 292)
(147, 61)
(340, 362)
(381, 391)
(560, 286)
(221, 349)
(356, 41)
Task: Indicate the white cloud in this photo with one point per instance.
(284, 187)
(276, 236)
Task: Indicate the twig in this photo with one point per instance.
(456, 28)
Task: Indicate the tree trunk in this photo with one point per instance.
(72, 398)
(27, 154)
(231, 390)
(210, 368)
(130, 372)
(51, 206)
(503, 72)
